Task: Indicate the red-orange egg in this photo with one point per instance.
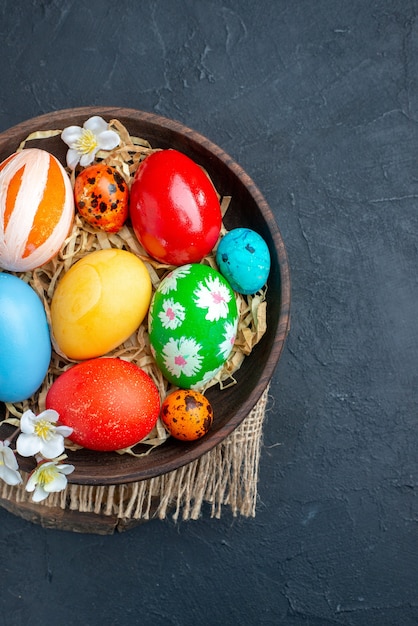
(36, 209)
(187, 414)
(109, 403)
(102, 197)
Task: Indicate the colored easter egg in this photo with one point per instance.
(99, 303)
(109, 403)
(102, 197)
(174, 208)
(243, 258)
(36, 209)
(186, 414)
(25, 346)
(192, 325)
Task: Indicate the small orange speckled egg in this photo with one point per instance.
(101, 197)
(186, 414)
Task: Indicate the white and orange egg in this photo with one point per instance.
(36, 209)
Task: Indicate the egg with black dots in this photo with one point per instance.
(102, 197)
(186, 414)
(243, 258)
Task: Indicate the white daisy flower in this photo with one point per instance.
(172, 314)
(229, 334)
(48, 477)
(181, 356)
(213, 296)
(200, 384)
(41, 435)
(169, 283)
(84, 143)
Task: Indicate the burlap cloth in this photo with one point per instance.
(225, 476)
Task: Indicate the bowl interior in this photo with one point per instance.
(249, 209)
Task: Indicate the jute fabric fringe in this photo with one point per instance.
(225, 476)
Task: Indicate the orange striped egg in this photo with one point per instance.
(36, 209)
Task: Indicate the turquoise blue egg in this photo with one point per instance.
(25, 345)
(243, 258)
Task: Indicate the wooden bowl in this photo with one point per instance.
(248, 209)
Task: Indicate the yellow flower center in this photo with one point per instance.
(47, 475)
(43, 429)
(87, 142)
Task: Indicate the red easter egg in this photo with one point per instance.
(174, 208)
(109, 403)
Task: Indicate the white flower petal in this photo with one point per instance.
(28, 444)
(58, 484)
(39, 494)
(87, 159)
(10, 476)
(27, 422)
(31, 482)
(52, 447)
(108, 140)
(66, 468)
(71, 135)
(96, 124)
(65, 431)
(9, 458)
(50, 415)
(73, 158)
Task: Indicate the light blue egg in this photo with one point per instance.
(243, 258)
(25, 344)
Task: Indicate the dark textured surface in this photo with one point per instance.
(318, 102)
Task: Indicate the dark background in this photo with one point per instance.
(318, 101)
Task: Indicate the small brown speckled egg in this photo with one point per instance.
(102, 197)
(187, 414)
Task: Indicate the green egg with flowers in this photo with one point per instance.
(192, 322)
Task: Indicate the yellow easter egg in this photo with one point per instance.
(99, 303)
